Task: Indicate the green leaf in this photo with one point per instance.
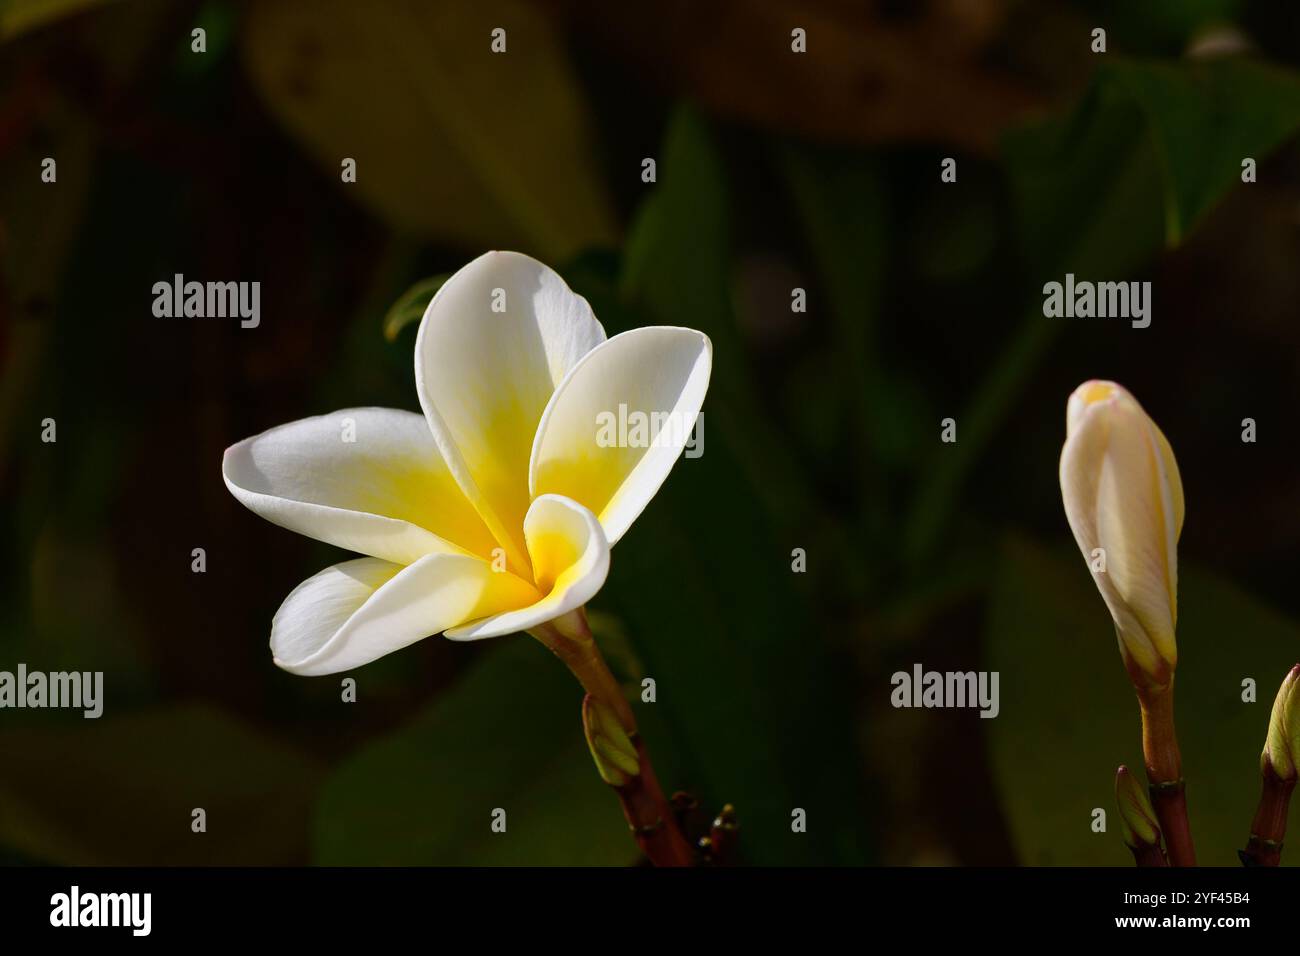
(452, 141)
(840, 200)
(754, 701)
(1101, 191)
(1069, 716)
(509, 736)
(1160, 26)
(410, 307)
(677, 271)
(756, 706)
(1151, 143)
(1205, 117)
(121, 790)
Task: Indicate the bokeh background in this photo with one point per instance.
(822, 429)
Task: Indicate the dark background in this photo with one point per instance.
(775, 170)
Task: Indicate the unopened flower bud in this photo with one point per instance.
(1136, 814)
(1124, 501)
(612, 749)
(1282, 747)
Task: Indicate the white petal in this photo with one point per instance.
(387, 493)
(354, 612)
(485, 376)
(654, 376)
(1122, 493)
(570, 558)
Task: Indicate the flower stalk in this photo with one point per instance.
(1278, 773)
(616, 747)
(1123, 500)
(1165, 772)
(1264, 847)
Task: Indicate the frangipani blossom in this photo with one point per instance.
(1124, 501)
(494, 511)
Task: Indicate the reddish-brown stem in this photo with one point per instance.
(1165, 772)
(654, 827)
(1269, 826)
(1149, 854)
(648, 814)
(722, 837)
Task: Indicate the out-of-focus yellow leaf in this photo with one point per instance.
(19, 16)
(451, 140)
(410, 307)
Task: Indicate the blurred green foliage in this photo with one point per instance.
(1048, 637)
(68, 790)
(1099, 192)
(504, 737)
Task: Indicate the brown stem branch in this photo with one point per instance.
(722, 837)
(1269, 826)
(1149, 854)
(651, 819)
(1165, 772)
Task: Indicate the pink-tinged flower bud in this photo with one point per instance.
(1137, 817)
(1282, 748)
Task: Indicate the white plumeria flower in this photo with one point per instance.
(494, 512)
(1124, 501)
